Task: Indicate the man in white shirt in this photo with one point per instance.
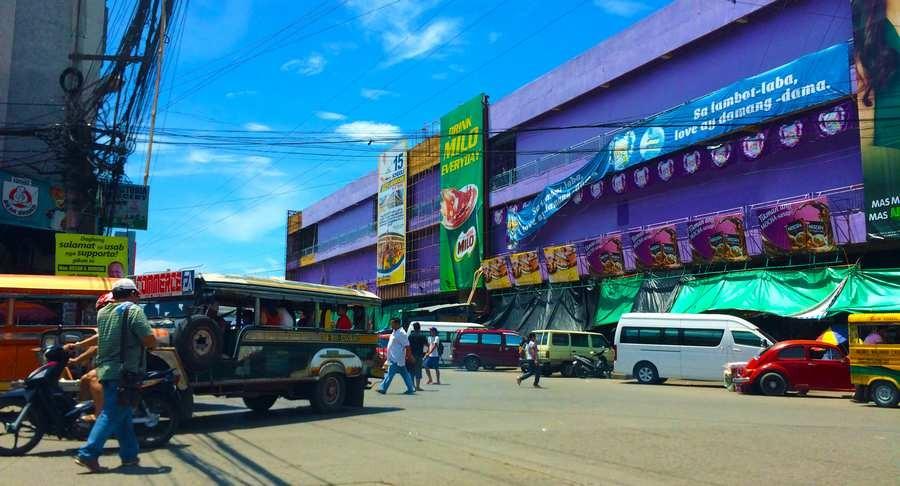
(396, 360)
(531, 360)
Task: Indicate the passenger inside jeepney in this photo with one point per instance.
(275, 315)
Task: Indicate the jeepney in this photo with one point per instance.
(875, 357)
(260, 339)
(30, 305)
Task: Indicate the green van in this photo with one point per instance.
(557, 349)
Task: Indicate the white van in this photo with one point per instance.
(446, 332)
(654, 347)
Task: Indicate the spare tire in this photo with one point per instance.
(199, 343)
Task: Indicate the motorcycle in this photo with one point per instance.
(597, 367)
(41, 407)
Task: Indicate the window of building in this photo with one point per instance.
(745, 338)
(793, 352)
(468, 338)
(580, 340)
(560, 339)
(491, 339)
(702, 337)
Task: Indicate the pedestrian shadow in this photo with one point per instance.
(273, 418)
(107, 451)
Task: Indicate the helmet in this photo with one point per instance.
(104, 299)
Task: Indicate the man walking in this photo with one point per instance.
(433, 356)
(123, 317)
(397, 348)
(417, 343)
(531, 360)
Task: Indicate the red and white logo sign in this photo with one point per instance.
(167, 284)
(20, 198)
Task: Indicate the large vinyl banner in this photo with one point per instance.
(462, 194)
(811, 80)
(876, 50)
(391, 243)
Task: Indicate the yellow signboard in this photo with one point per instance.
(496, 273)
(526, 268)
(91, 255)
(562, 263)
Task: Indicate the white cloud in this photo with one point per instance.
(494, 37)
(309, 66)
(622, 8)
(205, 161)
(439, 76)
(257, 127)
(397, 24)
(365, 131)
(374, 94)
(456, 68)
(330, 115)
(152, 265)
(238, 94)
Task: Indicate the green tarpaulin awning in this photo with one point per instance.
(779, 292)
(869, 291)
(616, 298)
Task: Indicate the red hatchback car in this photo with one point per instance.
(799, 366)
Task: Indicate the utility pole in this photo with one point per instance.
(162, 43)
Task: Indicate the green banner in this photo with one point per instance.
(878, 100)
(462, 194)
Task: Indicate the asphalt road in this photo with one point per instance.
(480, 428)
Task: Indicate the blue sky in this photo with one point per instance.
(311, 71)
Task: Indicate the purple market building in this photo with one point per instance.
(544, 132)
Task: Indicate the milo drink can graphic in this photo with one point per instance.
(460, 219)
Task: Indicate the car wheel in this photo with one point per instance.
(645, 373)
(329, 394)
(199, 343)
(260, 404)
(773, 384)
(472, 363)
(885, 394)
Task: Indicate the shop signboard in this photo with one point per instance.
(91, 255)
(656, 248)
(797, 227)
(525, 268)
(31, 203)
(391, 242)
(719, 238)
(496, 273)
(808, 81)
(878, 103)
(462, 194)
(130, 206)
(165, 284)
(605, 256)
(562, 263)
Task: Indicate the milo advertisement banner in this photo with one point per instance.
(496, 273)
(91, 255)
(656, 248)
(462, 194)
(876, 49)
(605, 256)
(562, 263)
(525, 268)
(390, 247)
(802, 226)
(719, 238)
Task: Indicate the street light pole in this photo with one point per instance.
(162, 43)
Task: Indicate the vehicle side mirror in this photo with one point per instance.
(763, 343)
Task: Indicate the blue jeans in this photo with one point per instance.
(114, 419)
(393, 369)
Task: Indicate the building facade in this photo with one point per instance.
(749, 173)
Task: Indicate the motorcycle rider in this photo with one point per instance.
(116, 418)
